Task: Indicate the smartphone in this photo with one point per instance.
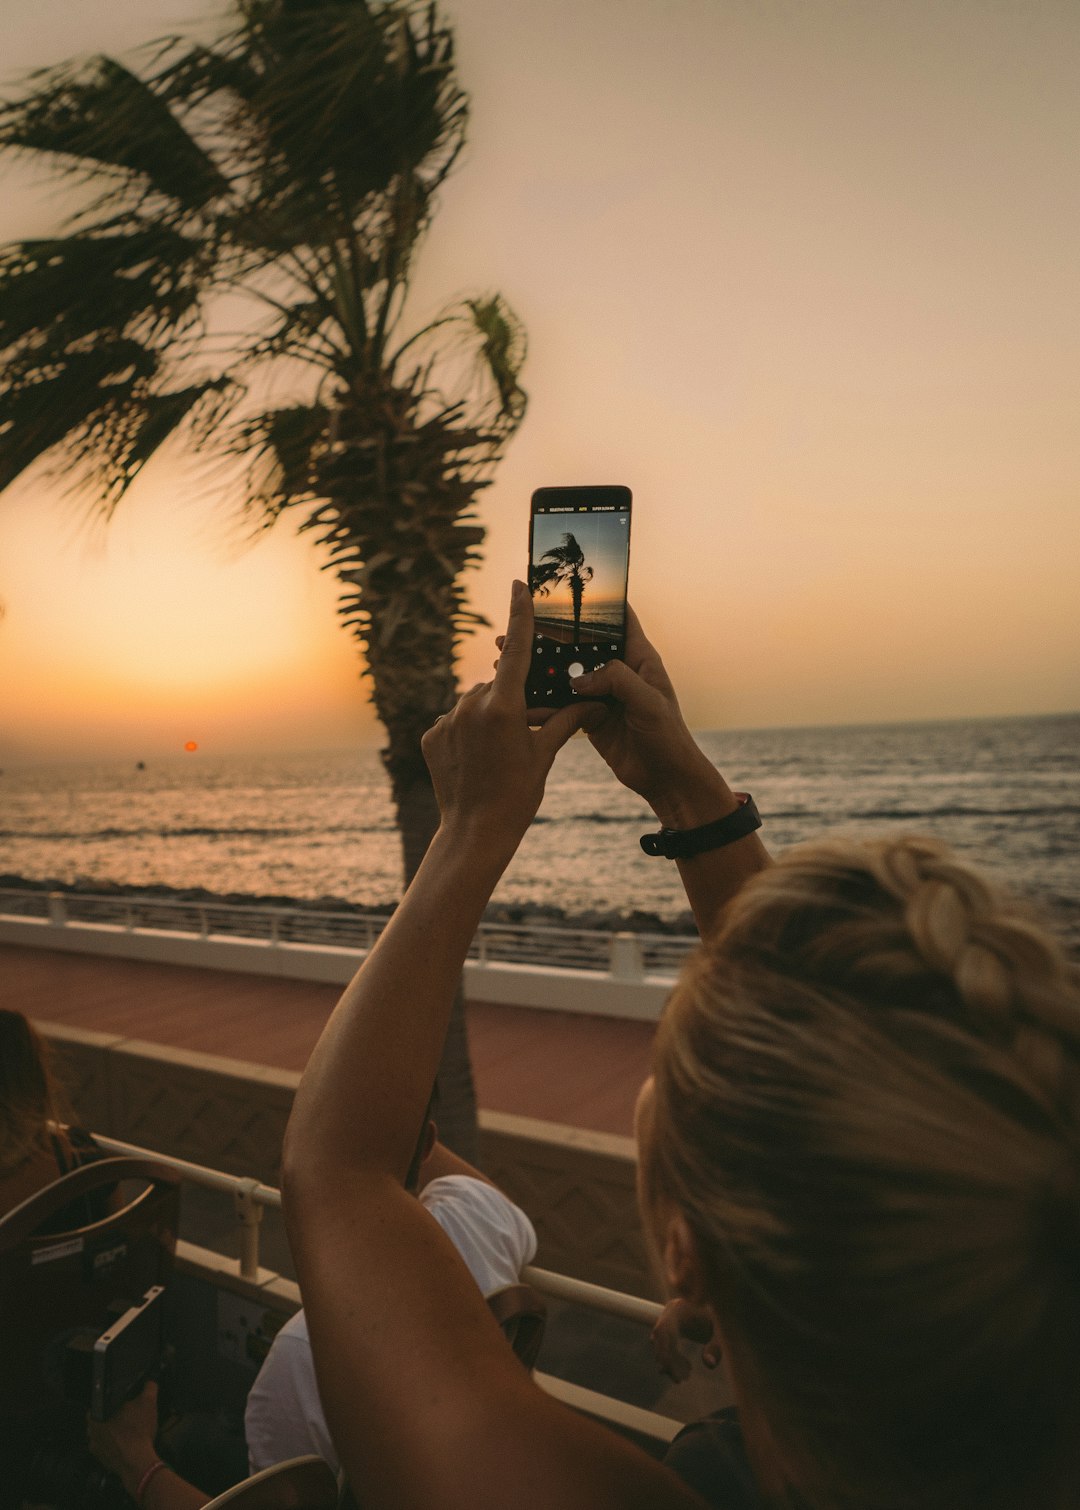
(126, 1354)
(579, 559)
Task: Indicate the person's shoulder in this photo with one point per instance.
(293, 1331)
(467, 1191)
(288, 1357)
(456, 1186)
(493, 1235)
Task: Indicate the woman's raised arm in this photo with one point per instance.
(426, 1403)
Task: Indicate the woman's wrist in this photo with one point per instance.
(136, 1465)
(697, 796)
(479, 843)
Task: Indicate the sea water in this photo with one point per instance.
(320, 827)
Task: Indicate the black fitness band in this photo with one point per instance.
(683, 843)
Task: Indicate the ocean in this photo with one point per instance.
(320, 827)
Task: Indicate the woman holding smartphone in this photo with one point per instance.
(859, 1152)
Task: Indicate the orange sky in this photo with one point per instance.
(803, 275)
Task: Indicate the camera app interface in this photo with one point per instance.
(577, 576)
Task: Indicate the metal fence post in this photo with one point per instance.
(626, 959)
(57, 908)
(248, 1215)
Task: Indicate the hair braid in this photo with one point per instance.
(1005, 970)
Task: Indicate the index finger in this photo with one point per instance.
(513, 664)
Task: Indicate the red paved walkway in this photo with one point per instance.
(554, 1065)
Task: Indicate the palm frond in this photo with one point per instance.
(279, 447)
(100, 115)
(351, 94)
(563, 563)
(472, 356)
(193, 75)
(74, 287)
(502, 351)
(98, 405)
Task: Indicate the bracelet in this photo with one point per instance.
(140, 1488)
(683, 843)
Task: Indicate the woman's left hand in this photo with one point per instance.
(487, 765)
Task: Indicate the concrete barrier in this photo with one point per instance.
(626, 992)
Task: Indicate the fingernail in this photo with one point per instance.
(584, 680)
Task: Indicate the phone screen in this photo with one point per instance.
(579, 557)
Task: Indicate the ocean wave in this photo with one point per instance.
(965, 810)
(197, 831)
(594, 818)
(597, 818)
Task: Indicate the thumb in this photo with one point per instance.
(560, 727)
(613, 680)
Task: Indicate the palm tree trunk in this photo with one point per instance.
(399, 546)
(455, 1093)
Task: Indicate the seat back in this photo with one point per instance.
(57, 1286)
(298, 1484)
(522, 1314)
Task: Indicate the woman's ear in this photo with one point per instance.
(682, 1265)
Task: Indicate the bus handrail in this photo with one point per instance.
(250, 1195)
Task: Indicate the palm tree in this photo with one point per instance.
(236, 277)
(564, 563)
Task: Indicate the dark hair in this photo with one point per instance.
(30, 1097)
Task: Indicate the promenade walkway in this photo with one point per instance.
(560, 1067)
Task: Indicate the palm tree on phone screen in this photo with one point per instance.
(564, 564)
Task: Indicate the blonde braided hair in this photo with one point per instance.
(868, 1111)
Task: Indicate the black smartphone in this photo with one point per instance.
(579, 559)
(126, 1354)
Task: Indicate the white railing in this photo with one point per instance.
(628, 956)
(250, 1196)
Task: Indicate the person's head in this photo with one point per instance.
(861, 1148)
(29, 1096)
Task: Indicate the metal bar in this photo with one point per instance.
(248, 1215)
(597, 1297)
(197, 1174)
(558, 1286)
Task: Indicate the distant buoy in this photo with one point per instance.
(191, 746)
(140, 765)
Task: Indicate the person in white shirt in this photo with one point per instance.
(284, 1416)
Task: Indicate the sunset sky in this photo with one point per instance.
(802, 273)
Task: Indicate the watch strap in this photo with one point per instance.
(684, 843)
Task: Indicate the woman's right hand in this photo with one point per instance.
(644, 738)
